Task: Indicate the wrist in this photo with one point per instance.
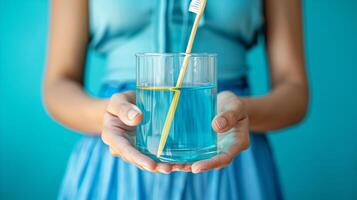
(96, 110)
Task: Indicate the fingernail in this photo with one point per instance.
(162, 171)
(196, 171)
(147, 168)
(132, 113)
(221, 122)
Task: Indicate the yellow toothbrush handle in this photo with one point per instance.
(172, 110)
(169, 117)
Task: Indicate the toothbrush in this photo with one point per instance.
(196, 6)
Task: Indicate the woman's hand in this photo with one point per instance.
(122, 116)
(232, 126)
(120, 119)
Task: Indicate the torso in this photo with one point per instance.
(121, 28)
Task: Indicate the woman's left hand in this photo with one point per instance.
(232, 127)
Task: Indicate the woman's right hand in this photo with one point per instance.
(120, 119)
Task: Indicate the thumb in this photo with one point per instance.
(131, 114)
(127, 112)
(225, 121)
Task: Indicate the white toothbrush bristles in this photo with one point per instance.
(195, 6)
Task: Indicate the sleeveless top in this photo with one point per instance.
(121, 28)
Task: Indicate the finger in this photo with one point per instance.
(178, 167)
(217, 161)
(116, 154)
(130, 95)
(230, 109)
(127, 112)
(113, 125)
(163, 168)
(239, 135)
(134, 156)
(224, 100)
(120, 146)
(229, 117)
(181, 167)
(242, 134)
(120, 143)
(227, 120)
(111, 120)
(241, 142)
(187, 168)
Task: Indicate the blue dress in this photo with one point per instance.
(119, 29)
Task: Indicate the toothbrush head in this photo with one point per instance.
(196, 6)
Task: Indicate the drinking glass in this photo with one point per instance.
(191, 136)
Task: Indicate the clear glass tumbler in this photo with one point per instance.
(191, 136)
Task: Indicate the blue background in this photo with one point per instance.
(317, 159)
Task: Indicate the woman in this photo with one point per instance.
(117, 29)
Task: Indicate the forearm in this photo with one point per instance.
(285, 105)
(69, 104)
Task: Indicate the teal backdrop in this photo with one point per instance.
(317, 159)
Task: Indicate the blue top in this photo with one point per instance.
(119, 29)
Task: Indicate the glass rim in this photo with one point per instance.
(152, 54)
